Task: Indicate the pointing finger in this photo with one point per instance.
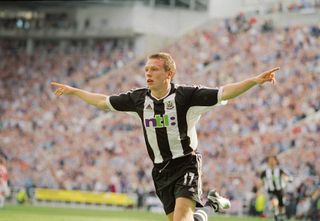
(273, 70)
(56, 84)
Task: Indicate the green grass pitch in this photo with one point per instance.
(35, 213)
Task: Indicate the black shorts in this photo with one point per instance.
(278, 194)
(180, 177)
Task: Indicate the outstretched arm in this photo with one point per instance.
(98, 100)
(235, 89)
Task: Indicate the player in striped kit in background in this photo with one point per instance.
(275, 180)
(169, 114)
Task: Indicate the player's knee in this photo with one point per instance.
(183, 215)
(170, 216)
(275, 202)
(184, 209)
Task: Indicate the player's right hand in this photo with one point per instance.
(62, 89)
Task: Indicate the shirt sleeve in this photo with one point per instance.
(121, 102)
(199, 99)
(204, 96)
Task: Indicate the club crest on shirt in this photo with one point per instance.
(148, 107)
(169, 105)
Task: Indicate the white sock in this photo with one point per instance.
(201, 214)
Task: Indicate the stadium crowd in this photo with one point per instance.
(64, 143)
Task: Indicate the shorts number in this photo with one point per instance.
(189, 176)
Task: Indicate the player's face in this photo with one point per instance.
(157, 77)
(272, 161)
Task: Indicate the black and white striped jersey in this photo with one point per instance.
(169, 123)
(274, 178)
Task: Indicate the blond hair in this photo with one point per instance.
(169, 64)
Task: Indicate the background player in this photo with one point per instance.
(275, 180)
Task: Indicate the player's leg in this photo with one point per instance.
(281, 206)
(201, 214)
(181, 178)
(275, 207)
(170, 216)
(188, 189)
(184, 209)
(214, 204)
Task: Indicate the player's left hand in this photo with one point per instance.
(267, 76)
